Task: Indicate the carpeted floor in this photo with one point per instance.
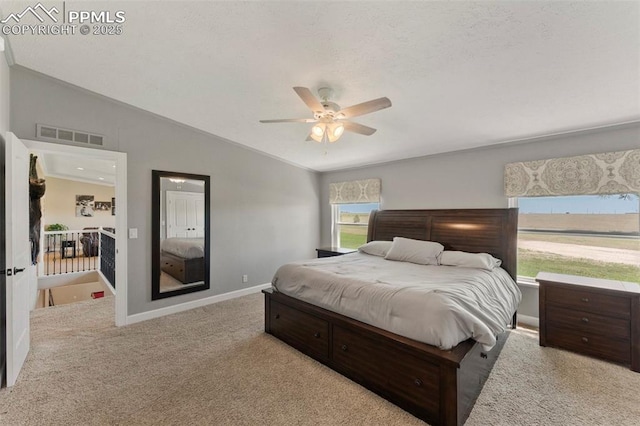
(215, 366)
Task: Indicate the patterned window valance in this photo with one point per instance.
(355, 191)
(606, 173)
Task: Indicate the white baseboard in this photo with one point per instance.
(157, 313)
(530, 321)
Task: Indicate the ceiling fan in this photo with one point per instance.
(331, 121)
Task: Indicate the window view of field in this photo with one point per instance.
(353, 229)
(604, 243)
(590, 236)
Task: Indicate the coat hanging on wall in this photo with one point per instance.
(36, 191)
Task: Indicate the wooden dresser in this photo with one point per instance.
(591, 316)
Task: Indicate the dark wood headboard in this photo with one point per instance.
(493, 231)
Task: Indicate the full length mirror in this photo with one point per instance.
(180, 235)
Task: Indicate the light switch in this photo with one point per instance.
(133, 233)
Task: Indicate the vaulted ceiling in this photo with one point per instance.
(460, 74)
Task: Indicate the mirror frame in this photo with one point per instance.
(155, 234)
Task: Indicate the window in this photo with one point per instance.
(350, 223)
(589, 235)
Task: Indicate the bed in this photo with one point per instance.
(436, 385)
(183, 259)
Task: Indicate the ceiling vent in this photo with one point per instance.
(51, 133)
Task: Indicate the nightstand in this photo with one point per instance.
(333, 251)
(65, 246)
(591, 316)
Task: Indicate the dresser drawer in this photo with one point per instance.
(402, 375)
(617, 306)
(303, 331)
(588, 322)
(589, 344)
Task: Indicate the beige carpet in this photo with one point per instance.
(215, 366)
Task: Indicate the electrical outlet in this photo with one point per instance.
(245, 278)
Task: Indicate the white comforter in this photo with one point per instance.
(189, 248)
(438, 305)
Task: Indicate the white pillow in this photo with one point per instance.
(376, 248)
(469, 260)
(414, 251)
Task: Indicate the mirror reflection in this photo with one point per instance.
(180, 264)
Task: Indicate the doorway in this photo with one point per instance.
(119, 159)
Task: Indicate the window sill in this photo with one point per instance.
(527, 282)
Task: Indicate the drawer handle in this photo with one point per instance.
(277, 316)
(417, 382)
(316, 335)
(585, 319)
(584, 339)
(344, 348)
(585, 299)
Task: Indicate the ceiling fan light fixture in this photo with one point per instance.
(334, 131)
(339, 130)
(332, 120)
(318, 132)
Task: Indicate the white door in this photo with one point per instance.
(185, 214)
(18, 255)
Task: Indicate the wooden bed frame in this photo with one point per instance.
(437, 386)
(186, 271)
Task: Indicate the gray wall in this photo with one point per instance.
(263, 212)
(471, 179)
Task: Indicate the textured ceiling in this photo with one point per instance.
(460, 74)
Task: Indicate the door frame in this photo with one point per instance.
(120, 159)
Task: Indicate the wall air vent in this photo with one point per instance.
(57, 134)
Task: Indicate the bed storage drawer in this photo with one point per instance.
(186, 271)
(303, 331)
(399, 375)
(173, 266)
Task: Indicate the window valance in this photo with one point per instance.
(355, 191)
(606, 173)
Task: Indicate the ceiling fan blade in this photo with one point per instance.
(364, 108)
(291, 120)
(350, 126)
(308, 98)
